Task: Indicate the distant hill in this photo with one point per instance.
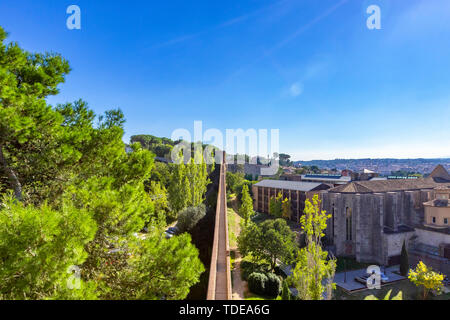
(383, 166)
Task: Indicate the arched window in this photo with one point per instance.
(348, 224)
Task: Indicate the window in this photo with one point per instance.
(445, 221)
(433, 219)
(348, 224)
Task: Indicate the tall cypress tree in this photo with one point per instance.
(246, 209)
(404, 261)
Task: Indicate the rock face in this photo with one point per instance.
(370, 220)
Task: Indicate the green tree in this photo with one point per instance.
(179, 188)
(424, 276)
(285, 159)
(234, 181)
(313, 264)
(26, 80)
(159, 268)
(276, 206)
(197, 175)
(404, 261)
(286, 208)
(271, 241)
(189, 217)
(38, 246)
(84, 199)
(246, 210)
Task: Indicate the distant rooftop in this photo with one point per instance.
(387, 185)
(438, 178)
(289, 185)
(327, 178)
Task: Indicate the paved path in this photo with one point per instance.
(239, 285)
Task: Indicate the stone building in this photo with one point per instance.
(297, 192)
(249, 169)
(371, 219)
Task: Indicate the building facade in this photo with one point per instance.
(297, 193)
(372, 219)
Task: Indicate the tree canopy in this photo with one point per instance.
(271, 241)
(80, 217)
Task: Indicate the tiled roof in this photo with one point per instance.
(289, 185)
(389, 185)
(440, 172)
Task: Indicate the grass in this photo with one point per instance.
(232, 227)
(233, 221)
(253, 296)
(232, 259)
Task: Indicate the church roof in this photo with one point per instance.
(438, 178)
(386, 186)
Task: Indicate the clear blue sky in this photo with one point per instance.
(309, 68)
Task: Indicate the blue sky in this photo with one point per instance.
(310, 68)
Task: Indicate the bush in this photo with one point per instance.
(285, 294)
(188, 218)
(257, 282)
(273, 285)
(248, 268)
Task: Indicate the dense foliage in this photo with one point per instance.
(189, 217)
(81, 215)
(424, 276)
(271, 241)
(246, 210)
(257, 283)
(314, 271)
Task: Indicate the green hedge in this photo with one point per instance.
(257, 283)
(273, 286)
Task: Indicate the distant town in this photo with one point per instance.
(382, 166)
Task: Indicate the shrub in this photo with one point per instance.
(248, 268)
(189, 217)
(273, 285)
(257, 282)
(285, 294)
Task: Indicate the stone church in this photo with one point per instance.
(371, 219)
